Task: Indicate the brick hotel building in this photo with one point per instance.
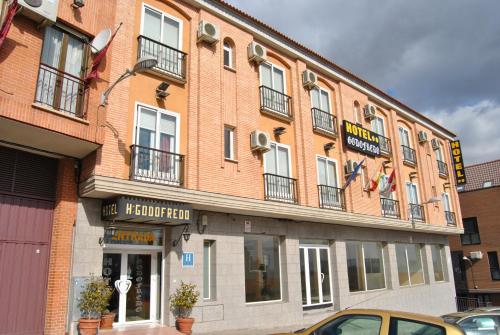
(222, 165)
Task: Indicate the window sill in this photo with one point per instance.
(229, 160)
(259, 303)
(229, 69)
(444, 176)
(56, 112)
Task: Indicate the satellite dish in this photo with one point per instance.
(101, 40)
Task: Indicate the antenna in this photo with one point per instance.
(101, 40)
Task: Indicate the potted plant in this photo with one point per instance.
(107, 319)
(181, 305)
(92, 303)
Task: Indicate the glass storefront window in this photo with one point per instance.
(262, 268)
(437, 262)
(409, 259)
(365, 266)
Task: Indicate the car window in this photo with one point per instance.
(352, 325)
(479, 325)
(412, 327)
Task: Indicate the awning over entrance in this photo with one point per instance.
(132, 209)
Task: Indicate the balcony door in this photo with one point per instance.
(412, 194)
(273, 78)
(277, 163)
(320, 99)
(328, 183)
(404, 137)
(156, 136)
(315, 275)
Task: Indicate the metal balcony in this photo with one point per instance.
(275, 102)
(324, 121)
(409, 155)
(170, 60)
(442, 168)
(385, 145)
(280, 188)
(450, 218)
(331, 197)
(156, 166)
(416, 212)
(390, 208)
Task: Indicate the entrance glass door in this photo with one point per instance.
(315, 275)
(136, 271)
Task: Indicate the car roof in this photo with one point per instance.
(397, 314)
(470, 313)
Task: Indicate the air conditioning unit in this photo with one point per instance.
(256, 53)
(41, 11)
(309, 79)
(435, 144)
(422, 136)
(370, 111)
(208, 32)
(476, 255)
(350, 165)
(260, 141)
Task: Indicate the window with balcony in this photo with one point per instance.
(60, 85)
(323, 119)
(273, 96)
(448, 213)
(365, 266)
(409, 154)
(415, 210)
(390, 206)
(471, 232)
(155, 155)
(330, 195)
(409, 260)
(161, 37)
(278, 184)
(378, 126)
(494, 267)
(442, 166)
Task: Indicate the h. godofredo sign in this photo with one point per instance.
(146, 210)
(361, 139)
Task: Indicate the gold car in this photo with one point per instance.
(380, 322)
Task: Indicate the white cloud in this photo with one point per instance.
(476, 127)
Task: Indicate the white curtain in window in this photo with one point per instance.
(171, 32)
(322, 171)
(270, 159)
(278, 80)
(378, 126)
(325, 104)
(283, 162)
(51, 56)
(403, 137)
(315, 98)
(446, 202)
(265, 72)
(332, 174)
(152, 24)
(71, 86)
(411, 191)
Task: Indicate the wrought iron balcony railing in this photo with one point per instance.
(170, 60)
(280, 188)
(385, 145)
(390, 208)
(416, 212)
(450, 218)
(61, 91)
(324, 121)
(275, 102)
(442, 168)
(409, 155)
(331, 197)
(156, 166)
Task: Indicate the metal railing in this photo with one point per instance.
(385, 145)
(156, 166)
(390, 208)
(280, 188)
(60, 90)
(442, 168)
(170, 60)
(275, 101)
(416, 212)
(409, 155)
(466, 304)
(450, 218)
(324, 121)
(331, 197)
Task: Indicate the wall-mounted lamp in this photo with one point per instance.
(202, 223)
(412, 175)
(432, 200)
(384, 163)
(328, 146)
(279, 131)
(161, 90)
(144, 63)
(78, 3)
(185, 234)
(446, 185)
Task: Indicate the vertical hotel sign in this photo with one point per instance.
(458, 162)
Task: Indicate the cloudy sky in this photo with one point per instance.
(440, 57)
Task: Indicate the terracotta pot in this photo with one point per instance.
(107, 320)
(88, 326)
(184, 325)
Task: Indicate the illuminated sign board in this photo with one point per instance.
(458, 162)
(132, 209)
(360, 139)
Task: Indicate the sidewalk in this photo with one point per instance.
(253, 331)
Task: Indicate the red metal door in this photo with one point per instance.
(25, 230)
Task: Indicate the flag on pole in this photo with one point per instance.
(376, 179)
(8, 21)
(98, 59)
(353, 174)
(391, 184)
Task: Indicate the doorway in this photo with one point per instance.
(315, 275)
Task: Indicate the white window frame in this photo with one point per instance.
(144, 6)
(231, 142)
(410, 142)
(321, 89)
(229, 49)
(416, 191)
(439, 153)
(447, 199)
(272, 76)
(408, 263)
(209, 267)
(357, 110)
(287, 147)
(364, 266)
(443, 263)
(327, 159)
(383, 125)
(317, 248)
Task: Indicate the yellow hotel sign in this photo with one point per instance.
(458, 162)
